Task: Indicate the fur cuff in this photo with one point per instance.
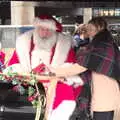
(74, 80)
(63, 111)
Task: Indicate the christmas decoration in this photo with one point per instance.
(29, 84)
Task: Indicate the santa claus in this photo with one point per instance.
(46, 44)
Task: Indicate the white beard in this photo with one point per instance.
(23, 45)
(44, 43)
(42, 50)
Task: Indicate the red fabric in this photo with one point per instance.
(32, 47)
(52, 53)
(2, 60)
(63, 92)
(40, 68)
(71, 56)
(14, 59)
(77, 91)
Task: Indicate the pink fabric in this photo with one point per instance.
(106, 93)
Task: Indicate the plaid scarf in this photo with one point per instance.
(102, 56)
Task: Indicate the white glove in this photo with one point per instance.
(74, 80)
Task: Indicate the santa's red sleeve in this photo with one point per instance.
(13, 59)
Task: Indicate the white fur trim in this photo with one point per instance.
(119, 48)
(45, 23)
(62, 49)
(23, 44)
(74, 80)
(63, 111)
(66, 65)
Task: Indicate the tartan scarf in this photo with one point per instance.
(102, 56)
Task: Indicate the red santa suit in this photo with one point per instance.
(54, 52)
(2, 59)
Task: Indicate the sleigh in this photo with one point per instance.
(12, 102)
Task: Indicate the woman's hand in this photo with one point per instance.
(59, 72)
(67, 70)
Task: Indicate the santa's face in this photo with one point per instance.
(44, 32)
(44, 38)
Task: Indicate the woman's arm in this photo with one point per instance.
(70, 70)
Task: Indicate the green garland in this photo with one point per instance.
(29, 87)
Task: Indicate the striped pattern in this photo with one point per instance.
(102, 59)
(101, 56)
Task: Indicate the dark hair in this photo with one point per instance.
(98, 22)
